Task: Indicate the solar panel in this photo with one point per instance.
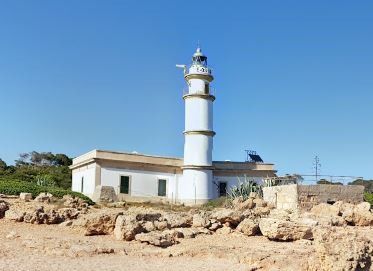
(256, 158)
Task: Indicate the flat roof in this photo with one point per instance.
(173, 162)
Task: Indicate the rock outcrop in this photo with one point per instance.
(248, 227)
(4, 206)
(103, 224)
(340, 249)
(282, 230)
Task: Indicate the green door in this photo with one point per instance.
(124, 184)
(162, 187)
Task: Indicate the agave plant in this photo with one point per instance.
(244, 188)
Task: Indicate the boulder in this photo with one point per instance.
(103, 224)
(126, 227)
(282, 230)
(104, 194)
(248, 227)
(201, 220)
(15, 215)
(224, 230)
(148, 226)
(340, 249)
(326, 210)
(74, 202)
(178, 220)
(192, 232)
(259, 202)
(44, 197)
(161, 225)
(358, 215)
(4, 206)
(25, 196)
(160, 239)
(228, 216)
(247, 204)
(69, 213)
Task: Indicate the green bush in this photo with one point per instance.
(368, 197)
(15, 187)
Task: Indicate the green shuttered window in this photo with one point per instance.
(124, 184)
(162, 186)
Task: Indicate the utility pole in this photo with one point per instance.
(316, 166)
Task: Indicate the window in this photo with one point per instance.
(222, 189)
(207, 88)
(124, 185)
(162, 187)
(82, 185)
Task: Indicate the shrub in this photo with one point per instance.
(368, 197)
(15, 187)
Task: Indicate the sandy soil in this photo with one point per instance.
(53, 247)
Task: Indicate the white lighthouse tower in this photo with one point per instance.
(196, 186)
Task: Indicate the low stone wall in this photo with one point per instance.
(310, 195)
(295, 196)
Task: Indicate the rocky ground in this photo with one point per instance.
(49, 234)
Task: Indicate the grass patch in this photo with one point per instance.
(15, 187)
(216, 203)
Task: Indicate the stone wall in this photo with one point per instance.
(282, 197)
(293, 196)
(310, 195)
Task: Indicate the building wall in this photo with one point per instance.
(88, 174)
(143, 184)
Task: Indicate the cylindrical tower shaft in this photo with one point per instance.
(196, 185)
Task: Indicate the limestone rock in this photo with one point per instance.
(74, 202)
(15, 215)
(44, 197)
(160, 225)
(248, 227)
(192, 232)
(247, 204)
(4, 206)
(224, 230)
(104, 194)
(148, 226)
(102, 225)
(176, 220)
(160, 239)
(201, 220)
(326, 210)
(228, 216)
(282, 230)
(25, 196)
(338, 249)
(126, 227)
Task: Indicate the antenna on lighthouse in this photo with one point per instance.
(181, 67)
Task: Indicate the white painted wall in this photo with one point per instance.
(198, 150)
(142, 183)
(198, 114)
(195, 186)
(88, 175)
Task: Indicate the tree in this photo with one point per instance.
(324, 181)
(3, 166)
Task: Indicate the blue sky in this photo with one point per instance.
(292, 78)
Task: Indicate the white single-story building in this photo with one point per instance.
(144, 177)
